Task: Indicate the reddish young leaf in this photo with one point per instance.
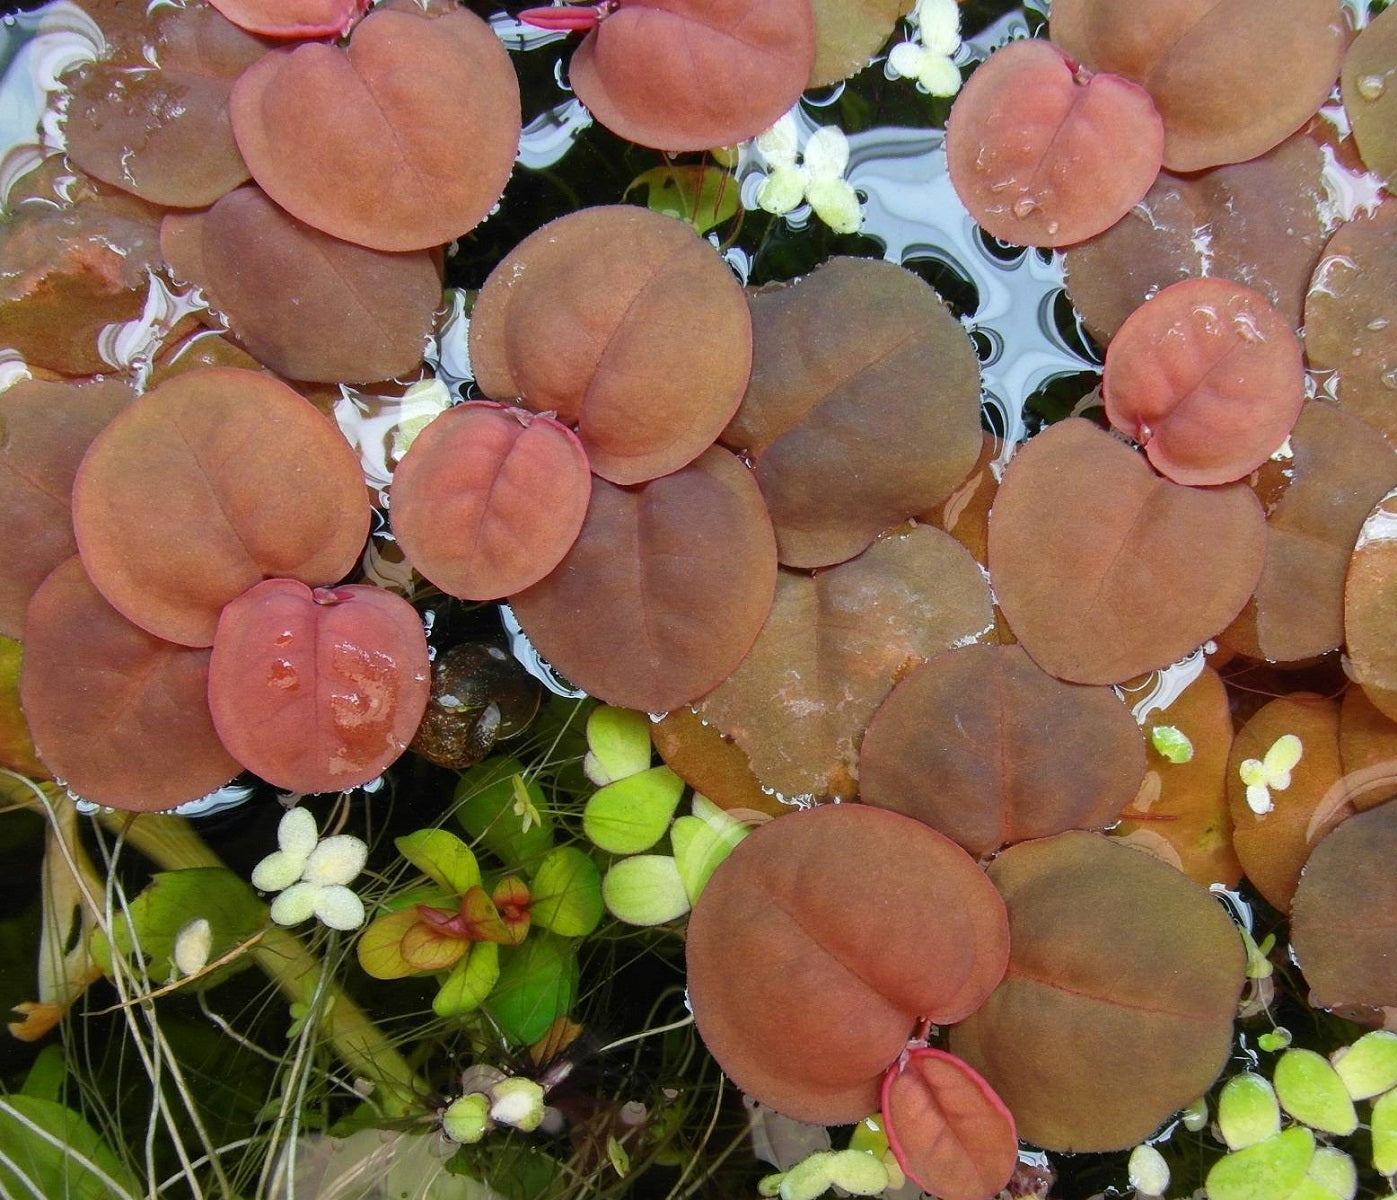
(293, 18)
(402, 141)
(318, 690)
(119, 716)
(1208, 377)
(951, 1133)
(1045, 153)
(214, 480)
(693, 74)
(876, 920)
(488, 499)
(648, 334)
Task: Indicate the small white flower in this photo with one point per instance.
(1272, 773)
(817, 178)
(927, 56)
(192, 945)
(311, 874)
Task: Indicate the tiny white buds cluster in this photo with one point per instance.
(927, 56)
(311, 874)
(814, 175)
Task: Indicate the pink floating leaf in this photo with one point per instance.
(572, 18)
(489, 499)
(1044, 153)
(318, 690)
(293, 18)
(950, 1131)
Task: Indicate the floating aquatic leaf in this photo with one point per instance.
(1369, 1066)
(618, 744)
(1310, 1090)
(566, 892)
(1248, 1111)
(293, 18)
(442, 857)
(1335, 1172)
(1384, 1127)
(704, 196)
(848, 35)
(1173, 744)
(472, 979)
(645, 889)
(633, 813)
(1368, 616)
(1266, 1171)
(1370, 99)
(711, 764)
(537, 983)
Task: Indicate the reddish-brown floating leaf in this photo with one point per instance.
(308, 305)
(664, 590)
(1340, 467)
(1349, 316)
(881, 918)
(45, 429)
(164, 134)
(1230, 80)
(1273, 846)
(952, 1135)
(293, 18)
(1181, 810)
(1260, 222)
(859, 373)
(848, 33)
(1126, 961)
(121, 717)
(1370, 606)
(1370, 97)
(971, 743)
(831, 650)
(488, 499)
(317, 691)
(1341, 922)
(1104, 569)
(1208, 377)
(692, 74)
(1043, 153)
(403, 141)
(966, 513)
(648, 334)
(712, 765)
(206, 485)
(1367, 749)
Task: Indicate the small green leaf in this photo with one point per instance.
(616, 1153)
(618, 744)
(58, 1154)
(467, 1118)
(699, 849)
(1310, 1090)
(704, 196)
(1335, 1172)
(470, 981)
(1277, 1039)
(442, 857)
(566, 892)
(858, 1173)
(1147, 1171)
(645, 890)
(1173, 744)
(1269, 1170)
(537, 984)
(632, 814)
(47, 1074)
(486, 800)
(380, 946)
(1384, 1126)
(1369, 1066)
(1247, 1111)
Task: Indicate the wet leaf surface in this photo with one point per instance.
(1043, 154)
(175, 518)
(293, 18)
(1370, 606)
(664, 590)
(711, 765)
(966, 513)
(1106, 570)
(1369, 85)
(1230, 80)
(607, 292)
(971, 743)
(848, 34)
(1125, 960)
(488, 499)
(859, 373)
(1208, 377)
(831, 650)
(318, 691)
(120, 716)
(1367, 748)
(428, 104)
(694, 74)
(914, 930)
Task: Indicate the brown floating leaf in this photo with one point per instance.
(1370, 606)
(1104, 569)
(972, 743)
(848, 33)
(1341, 922)
(293, 18)
(711, 764)
(164, 134)
(1260, 222)
(120, 716)
(966, 513)
(833, 647)
(1043, 153)
(1367, 748)
(1121, 958)
(693, 74)
(318, 690)
(402, 141)
(861, 374)
(648, 335)
(1349, 316)
(1208, 377)
(309, 306)
(664, 590)
(208, 484)
(1273, 846)
(1185, 804)
(1230, 80)
(881, 918)
(45, 429)
(1369, 82)
(1340, 468)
